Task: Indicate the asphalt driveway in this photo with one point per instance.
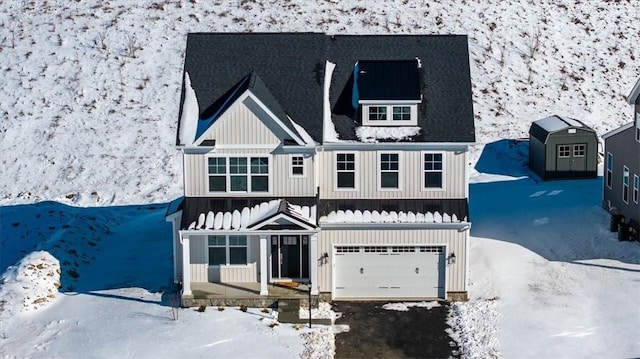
(379, 333)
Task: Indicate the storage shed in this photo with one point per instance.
(561, 148)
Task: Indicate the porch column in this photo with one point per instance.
(313, 263)
(263, 265)
(186, 266)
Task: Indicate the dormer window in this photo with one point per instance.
(387, 93)
(390, 115)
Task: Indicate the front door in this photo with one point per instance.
(289, 257)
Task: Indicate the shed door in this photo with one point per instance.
(389, 272)
(572, 160)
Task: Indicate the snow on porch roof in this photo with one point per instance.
(367, 216)
(250, 216)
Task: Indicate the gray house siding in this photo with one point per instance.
(626, 152)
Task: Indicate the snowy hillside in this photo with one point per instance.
(91, 88)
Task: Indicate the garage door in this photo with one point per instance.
(389, 272)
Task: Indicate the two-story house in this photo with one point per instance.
(621, 173)
(339, 161)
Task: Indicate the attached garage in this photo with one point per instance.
(562, 148)
(389, 272)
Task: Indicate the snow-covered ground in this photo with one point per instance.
(88, 115)
(90, 89)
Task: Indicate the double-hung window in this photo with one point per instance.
(636, 185)
(389, 171)
(345, 170)
(433, 170)
(259, 174)
(625, 184)
(297, 166)
(227, 250)
(609, 169)
(238, 174)
(217, 174)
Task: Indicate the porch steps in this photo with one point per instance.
(289, 312)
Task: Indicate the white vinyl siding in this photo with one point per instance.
(253, 130)
(282, 184)
(411, 179)
(455, 241)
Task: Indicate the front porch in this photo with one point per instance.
(234, 294)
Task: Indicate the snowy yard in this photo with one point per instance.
(547, 280)
(89, 107)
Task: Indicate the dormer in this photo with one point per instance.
(387, 93)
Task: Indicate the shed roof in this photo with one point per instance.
(291, 66)
(541, 129)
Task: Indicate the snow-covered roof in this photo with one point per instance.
(375, 134)
(541, 129)
(367, 216)
(250, 216)
(557, 123)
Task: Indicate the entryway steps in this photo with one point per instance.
(289, 312)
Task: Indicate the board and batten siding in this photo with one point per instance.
(411, 176)
(202, 272)
(240, 126)
(282, 184)
(198, 258)
(456, 242)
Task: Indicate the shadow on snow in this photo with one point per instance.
(558, 220)
(99, 248)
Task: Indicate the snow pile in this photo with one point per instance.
(190, 114)
(475, 324)
(249, 216)
(329, 130)
(367, 216)
(404, 307)
(372, 134)
(31, 284)
(323, 311)
(318, 344)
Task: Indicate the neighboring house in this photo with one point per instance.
(340, 161)
(621, 171)
(562, 148)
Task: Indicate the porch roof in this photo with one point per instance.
(252, 217)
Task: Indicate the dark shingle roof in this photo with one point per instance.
(388, 80)
(292, 66)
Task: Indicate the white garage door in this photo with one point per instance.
(389, 272)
